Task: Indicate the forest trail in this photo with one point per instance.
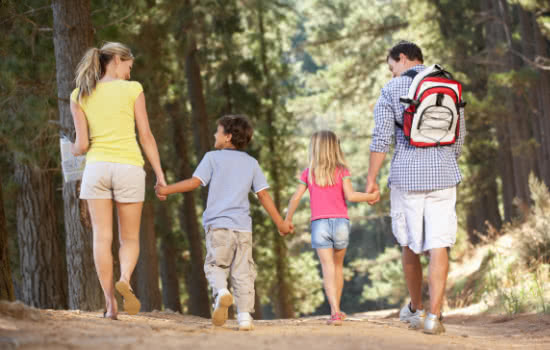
(53, 329)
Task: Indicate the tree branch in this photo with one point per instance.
(24, 14)
(375, 31)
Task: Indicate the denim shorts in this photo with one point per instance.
(330, 233)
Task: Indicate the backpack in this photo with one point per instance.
(432, 114)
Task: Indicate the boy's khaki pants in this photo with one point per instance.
(230, 252)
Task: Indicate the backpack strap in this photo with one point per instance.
(411, 73)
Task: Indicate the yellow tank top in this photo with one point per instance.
(111, 122)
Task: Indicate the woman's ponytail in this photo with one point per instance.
(88, 72)
(93, 65)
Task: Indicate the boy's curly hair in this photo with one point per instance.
(239, 127)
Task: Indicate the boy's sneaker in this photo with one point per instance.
(433, 325)
(224, 300)
(415, 319)
(245, 321)
(335, 320)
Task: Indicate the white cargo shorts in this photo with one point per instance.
(424, 220)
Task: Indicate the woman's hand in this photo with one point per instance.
(75, 151)
(160, 183)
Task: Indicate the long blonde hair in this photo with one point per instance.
(92, 66)
(325, 157)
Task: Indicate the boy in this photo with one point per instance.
(231, 174)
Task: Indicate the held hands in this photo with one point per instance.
(160, 188)
(372, 187)
(285, 228)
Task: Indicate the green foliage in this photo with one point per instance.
(535, 232)
(386, 276)
(308, 284)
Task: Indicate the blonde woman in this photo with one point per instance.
(329, 184)
(106, 108)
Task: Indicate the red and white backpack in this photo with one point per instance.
(432, 114)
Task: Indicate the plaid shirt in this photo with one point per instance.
(413, 168)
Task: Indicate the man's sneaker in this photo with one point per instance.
(245, 321)
(406, 315)
(433, 325)
(415, 319)
(224, 300)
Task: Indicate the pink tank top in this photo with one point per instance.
(327, 202)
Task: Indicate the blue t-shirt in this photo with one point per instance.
(231, 175)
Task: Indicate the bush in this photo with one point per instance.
(536, 230)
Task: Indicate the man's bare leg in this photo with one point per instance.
(438, 271)
(413, 275)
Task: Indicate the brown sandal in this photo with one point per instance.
(131, 302)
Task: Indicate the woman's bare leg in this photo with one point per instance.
(129, 219)
(101, 213)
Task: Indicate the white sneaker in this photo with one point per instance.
(433, 325)
(245, 321)
(415, 319)
(224, 300)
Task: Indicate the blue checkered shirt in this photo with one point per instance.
(413, 168)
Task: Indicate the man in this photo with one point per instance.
(423, 191)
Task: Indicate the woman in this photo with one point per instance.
(106, 107)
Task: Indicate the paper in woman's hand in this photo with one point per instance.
(73, 167)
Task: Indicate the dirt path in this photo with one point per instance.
(47, 329)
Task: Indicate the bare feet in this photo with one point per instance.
(111, 309)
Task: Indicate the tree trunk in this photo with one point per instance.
(169, 262)
(196, 97)
(147, 269)
(543, 95)
(73, 34)
(199, 302)
(495, 36)
(284, 307)
(41, 262)
(6, 282)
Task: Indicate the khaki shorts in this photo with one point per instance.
(125, 183)
(424, 220)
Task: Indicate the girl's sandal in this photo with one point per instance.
(343, 315)
(335, 320)
(131, 302)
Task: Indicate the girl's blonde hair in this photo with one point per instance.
(325, 156)
(92, 66)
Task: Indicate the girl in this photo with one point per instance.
(106, 109)
(329, 184)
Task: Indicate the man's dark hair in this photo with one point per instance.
(240, 129)
(411, 50)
